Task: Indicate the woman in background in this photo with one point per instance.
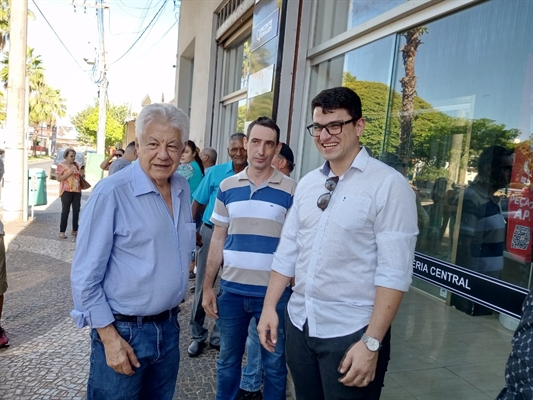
(191, 167)
(68, 176)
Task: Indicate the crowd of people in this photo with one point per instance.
(293, 291)
(311, 274)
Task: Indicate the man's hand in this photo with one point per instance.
(118, 353)
(209, 302)
(199, 239)
(358, 366)
(268, 329)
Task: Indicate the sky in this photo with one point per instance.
(146, 69)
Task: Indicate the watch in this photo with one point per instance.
(371, 343)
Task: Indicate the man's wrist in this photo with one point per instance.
(107, 333)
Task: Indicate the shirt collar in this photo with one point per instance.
(142, 184)
(359, 162)
(276, 176)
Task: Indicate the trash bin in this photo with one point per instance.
(36, 187)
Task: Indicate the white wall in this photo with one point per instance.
(196, 40)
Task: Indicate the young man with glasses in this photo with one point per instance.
(249, 213)
(349, 242)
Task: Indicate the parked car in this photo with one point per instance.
(80, 159)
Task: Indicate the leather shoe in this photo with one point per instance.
(195, 348)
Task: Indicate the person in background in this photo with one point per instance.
(4, 340)
(249, 213)
(68, 176)
(482, 231)
(204, 198)
(191, 167)
(350, 244)
(130, 155)
(284, 160)
(208, 155)
(250, 386)
(129, 275)
(113, 154)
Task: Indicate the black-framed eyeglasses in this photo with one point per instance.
(333, 128)
(118, 155)
(323, 200)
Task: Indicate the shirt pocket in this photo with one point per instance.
(352, 212)
(189, 240)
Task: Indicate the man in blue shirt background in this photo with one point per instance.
(129, 274)
(206, 195)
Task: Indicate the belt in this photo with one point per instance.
(208, 226)
(149, 318)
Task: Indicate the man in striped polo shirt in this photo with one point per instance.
(249, 213)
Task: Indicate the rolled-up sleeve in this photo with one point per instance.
(93, 249)
(396, 229)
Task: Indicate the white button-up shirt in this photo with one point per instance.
(365, 238)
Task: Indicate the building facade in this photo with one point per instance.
(443, 83)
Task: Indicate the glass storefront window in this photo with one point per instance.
(336, 17)
(231, 121)
(237, 66)
(451, 108)
(460, 120)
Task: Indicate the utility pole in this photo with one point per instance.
(100, 134)
(16, 176)
(102, 96)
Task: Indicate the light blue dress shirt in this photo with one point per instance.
(206, 193)
(132, 256)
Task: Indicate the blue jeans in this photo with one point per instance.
(234, 315)
(156, 345)
(252, 373)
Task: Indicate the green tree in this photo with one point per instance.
(86, 123)
(382, 132)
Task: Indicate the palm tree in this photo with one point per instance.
(46, 105)
(408, 82)
(34, 69)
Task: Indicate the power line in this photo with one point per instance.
(55, 33)
(142, 33)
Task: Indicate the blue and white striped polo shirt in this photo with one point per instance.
(254, 217)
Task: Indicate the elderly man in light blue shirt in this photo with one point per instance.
(130, 270)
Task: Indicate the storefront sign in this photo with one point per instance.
(266, 30)
(498, 295)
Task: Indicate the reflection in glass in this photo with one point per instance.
(459, 87)
(237, 66)
(458, 113)
(336, 17)
(231, 121)
(366, 70)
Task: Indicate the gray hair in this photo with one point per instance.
(211, 153)
(163, 113)
(237, 136)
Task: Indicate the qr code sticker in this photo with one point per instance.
(521, 237)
